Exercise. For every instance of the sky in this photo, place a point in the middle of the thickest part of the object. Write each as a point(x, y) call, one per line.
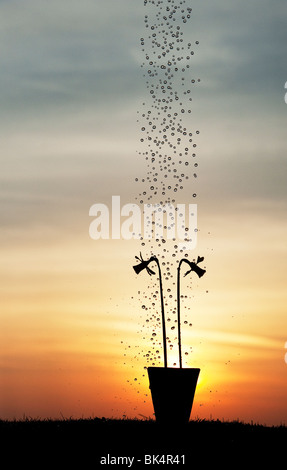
point(75, 340)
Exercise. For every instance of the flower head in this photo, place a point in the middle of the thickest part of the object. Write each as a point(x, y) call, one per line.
point(194, 267)
point(144, 265)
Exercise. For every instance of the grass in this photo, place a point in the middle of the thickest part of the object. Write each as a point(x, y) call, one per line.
point(84, 441)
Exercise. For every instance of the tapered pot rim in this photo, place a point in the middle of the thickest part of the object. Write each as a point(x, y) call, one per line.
point(172, 391)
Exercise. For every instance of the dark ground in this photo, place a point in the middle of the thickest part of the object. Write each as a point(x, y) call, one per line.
point(82, 443)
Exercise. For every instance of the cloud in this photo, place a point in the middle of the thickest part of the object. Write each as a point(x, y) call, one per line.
point(60, 56)
point(71, 84)
point(242, 49)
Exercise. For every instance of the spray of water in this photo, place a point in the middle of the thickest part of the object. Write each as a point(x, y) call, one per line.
point(168, 144)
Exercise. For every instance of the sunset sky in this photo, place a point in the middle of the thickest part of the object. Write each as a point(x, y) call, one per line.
point(73, 332)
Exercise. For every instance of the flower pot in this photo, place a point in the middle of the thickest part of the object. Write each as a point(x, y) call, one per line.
point(172, 392)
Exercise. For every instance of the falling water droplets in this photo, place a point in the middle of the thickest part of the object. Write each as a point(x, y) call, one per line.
point(168, 138)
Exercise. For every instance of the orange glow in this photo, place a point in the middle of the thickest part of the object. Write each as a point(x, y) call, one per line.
point(78, 327)
point(74, 338)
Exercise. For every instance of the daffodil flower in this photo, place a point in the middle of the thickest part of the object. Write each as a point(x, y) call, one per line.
point(144, 265)
point(200, 272)
point(194, 266)
point(140, 267)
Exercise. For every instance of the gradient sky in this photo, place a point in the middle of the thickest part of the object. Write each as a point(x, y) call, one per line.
point(73, 334)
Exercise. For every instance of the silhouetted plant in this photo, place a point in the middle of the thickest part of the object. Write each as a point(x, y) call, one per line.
point(140, 267)
point(193, 267)
point(199, 271)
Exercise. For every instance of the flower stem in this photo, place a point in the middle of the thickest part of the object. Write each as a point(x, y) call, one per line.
point(162, 313)
point(178, 314)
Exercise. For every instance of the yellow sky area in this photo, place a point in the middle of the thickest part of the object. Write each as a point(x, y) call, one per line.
point(242, 377)
point(74, 336)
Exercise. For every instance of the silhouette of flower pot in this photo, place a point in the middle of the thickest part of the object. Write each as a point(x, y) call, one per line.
point(172, 391)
